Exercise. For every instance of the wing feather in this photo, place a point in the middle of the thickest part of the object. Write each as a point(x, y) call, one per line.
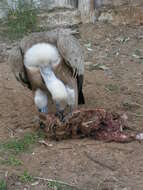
point(72, 52)
point(15, 61)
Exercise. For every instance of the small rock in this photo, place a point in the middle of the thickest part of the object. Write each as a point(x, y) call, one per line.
point(35, 183)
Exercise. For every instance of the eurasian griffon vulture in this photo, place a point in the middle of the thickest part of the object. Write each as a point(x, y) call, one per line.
point(52, 65)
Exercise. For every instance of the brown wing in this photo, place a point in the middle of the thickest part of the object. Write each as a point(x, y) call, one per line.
point(17, 54)
point(63, 72)
point(15, 61)
point(34, 38)
point(72, 52)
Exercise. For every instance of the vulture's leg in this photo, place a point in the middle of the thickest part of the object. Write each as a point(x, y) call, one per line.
point(41, 101)
point(71, 99)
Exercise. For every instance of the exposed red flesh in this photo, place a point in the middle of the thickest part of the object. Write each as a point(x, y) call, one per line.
point(96, 123)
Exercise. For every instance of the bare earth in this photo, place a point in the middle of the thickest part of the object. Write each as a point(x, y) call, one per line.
point(116, 85)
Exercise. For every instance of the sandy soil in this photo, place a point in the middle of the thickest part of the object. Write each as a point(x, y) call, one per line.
point(116, 85)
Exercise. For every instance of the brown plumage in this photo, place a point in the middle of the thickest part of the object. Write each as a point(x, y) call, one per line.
point(69, 71)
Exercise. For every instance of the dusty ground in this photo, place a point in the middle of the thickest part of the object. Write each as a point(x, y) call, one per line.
point(116, 85)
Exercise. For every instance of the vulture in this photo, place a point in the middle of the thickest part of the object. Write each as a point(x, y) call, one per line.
point(51, 64)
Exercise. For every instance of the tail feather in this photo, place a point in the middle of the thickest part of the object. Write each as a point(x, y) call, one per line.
point(81, 99)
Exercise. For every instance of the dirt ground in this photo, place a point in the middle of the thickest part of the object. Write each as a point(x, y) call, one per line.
point(113, 80)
